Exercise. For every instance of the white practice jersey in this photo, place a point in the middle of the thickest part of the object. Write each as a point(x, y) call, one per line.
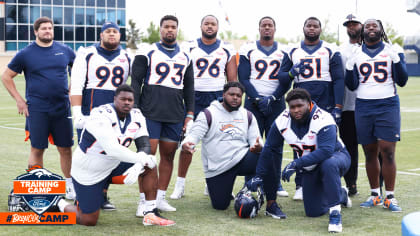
point(209, 63)
point(308, 143)
point(375, 73)
point(91, 70)
point(264, 66)
point(349, 99)
point(165, 68)
point(317, 58)
point(91, 163)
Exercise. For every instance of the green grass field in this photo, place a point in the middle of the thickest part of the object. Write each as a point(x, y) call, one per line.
point(195, 216)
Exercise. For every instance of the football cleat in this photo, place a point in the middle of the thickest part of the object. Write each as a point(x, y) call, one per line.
point(391, 203)
point(275, 211)
point(372, 201)
point(141, 208)
point(70, 193)
point(298, 194)
point(335, 225)
point(163, 205)
point(154, 218)
point(348, 202)
point(178, 193)
point(281, 192)
point(107, 205)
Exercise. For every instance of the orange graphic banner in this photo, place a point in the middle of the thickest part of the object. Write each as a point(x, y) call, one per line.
point(31, 218)
point(39, 187)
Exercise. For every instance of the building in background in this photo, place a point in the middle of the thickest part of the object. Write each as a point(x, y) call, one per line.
point(76, 22)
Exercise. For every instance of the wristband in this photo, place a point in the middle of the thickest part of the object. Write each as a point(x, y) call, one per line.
point(189, 116)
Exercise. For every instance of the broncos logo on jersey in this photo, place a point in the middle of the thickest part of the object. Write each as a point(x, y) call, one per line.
point(232, 130)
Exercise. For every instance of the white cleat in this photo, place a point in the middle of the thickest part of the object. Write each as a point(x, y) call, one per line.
point(298, 194)
point(163, 205)
point(70, 193)
point(282, 193)
point(177, 194)
point(141, 209)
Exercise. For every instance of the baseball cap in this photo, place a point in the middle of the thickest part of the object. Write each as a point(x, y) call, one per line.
point(352, 18)
point(109, 24)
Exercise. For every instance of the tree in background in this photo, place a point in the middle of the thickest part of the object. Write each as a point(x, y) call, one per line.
point(228, 35)
point(393, 34)
point(152, 34)
point(134, 35)
point(327, 35)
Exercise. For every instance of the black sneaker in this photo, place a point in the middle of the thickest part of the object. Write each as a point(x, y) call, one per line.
point(275, 211)
point(353, 190)
point(107, 205)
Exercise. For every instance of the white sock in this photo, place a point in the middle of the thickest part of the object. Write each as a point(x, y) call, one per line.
point(389, 193)
point(150, 205)
point(62, 204)
point(335, 208)
point(142, 197)
point(69, 181)
point(161, 194)
point(180, 182)
point(376, 190)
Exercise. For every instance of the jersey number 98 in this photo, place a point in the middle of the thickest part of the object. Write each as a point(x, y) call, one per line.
point(103, 74)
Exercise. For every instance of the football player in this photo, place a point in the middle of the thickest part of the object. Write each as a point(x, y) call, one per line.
point(316, 66)
point(213, 62)
point(372, 71)
point(45, 63)
point(98, 70)
point(163, 80)
point(347, 126)
point(322, 158)
point(103, 157)
point(258, 66)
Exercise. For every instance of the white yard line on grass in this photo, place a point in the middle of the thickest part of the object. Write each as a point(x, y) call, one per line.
point(5, 127)
point(417, 169)
point(409, 130)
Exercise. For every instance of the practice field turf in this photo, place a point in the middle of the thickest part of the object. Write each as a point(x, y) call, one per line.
point(195, 216)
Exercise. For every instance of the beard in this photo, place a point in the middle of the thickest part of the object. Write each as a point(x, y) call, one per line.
point(209, 36)
point(232, 108)
point(354, 35)
point(267, 37)
point(312, 38)
point(304, 118)
point(372, 39)
point(46, 40)
point(169, 40)
point(111, 46)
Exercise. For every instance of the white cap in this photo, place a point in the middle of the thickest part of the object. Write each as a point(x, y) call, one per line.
point(352, 18)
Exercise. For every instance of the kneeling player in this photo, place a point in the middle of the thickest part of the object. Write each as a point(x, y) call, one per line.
point(103, 157)
point(322, 157)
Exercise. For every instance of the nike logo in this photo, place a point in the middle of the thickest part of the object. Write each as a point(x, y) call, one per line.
point(326, 129)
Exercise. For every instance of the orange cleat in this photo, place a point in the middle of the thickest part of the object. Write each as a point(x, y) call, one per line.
point(154, 218)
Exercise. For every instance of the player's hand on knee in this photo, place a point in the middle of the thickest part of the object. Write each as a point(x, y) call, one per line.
point(147, 160)
point(288, 171)
point(132, 174)
point(254, 183)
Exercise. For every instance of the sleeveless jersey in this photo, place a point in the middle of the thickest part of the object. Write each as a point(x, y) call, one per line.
point(209, 63)
point(375, 73)
point(264, 66)
point(165, 68)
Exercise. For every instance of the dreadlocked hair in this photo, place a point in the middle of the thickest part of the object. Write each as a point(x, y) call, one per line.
point(384, 37)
